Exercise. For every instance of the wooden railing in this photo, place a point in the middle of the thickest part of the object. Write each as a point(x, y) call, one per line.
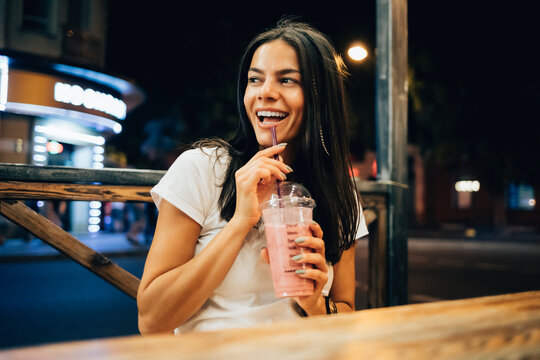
point(28, 182)
point(387, 244)
point(24, 182)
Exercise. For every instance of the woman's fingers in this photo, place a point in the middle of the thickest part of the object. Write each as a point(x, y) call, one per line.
point(313, 254)
point(315, 243)
point(320, 277)
point(269, 152)
point(263, 168)
point(265, 257)
point(314, 259)
point(254, 182)
point(316, 230)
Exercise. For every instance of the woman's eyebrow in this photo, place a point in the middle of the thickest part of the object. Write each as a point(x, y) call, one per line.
point(279, 72)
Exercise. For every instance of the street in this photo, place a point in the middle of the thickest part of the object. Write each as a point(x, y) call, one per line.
point(447, 269)
point(53, 300)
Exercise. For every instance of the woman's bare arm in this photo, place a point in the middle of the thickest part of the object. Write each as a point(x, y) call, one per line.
point(175, 284)
point(343, 286)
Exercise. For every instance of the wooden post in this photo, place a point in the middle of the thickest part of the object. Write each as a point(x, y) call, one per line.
point(391, 127)
point(64, 242)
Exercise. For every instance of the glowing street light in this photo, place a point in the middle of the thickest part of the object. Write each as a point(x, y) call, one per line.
point(357, 53)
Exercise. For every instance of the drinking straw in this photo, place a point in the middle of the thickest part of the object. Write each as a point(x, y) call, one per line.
point(274, 140)
point(276, 157)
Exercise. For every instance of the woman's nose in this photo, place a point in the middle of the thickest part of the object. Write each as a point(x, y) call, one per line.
point(269, 91)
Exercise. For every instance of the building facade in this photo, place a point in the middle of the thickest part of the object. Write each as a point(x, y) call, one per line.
point(57, 106)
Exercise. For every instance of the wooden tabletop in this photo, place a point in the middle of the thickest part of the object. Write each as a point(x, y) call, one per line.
point(495, 327)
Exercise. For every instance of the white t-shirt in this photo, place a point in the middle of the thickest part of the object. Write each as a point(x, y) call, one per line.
point(245, 297)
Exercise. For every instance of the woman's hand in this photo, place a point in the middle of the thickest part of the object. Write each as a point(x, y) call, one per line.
point(313, 254)
point(255, 181)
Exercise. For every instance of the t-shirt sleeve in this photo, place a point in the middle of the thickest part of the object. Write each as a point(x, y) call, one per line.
point(362, 229)
point(187, 185)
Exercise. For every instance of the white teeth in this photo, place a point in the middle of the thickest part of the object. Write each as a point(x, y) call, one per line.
point(271, 114)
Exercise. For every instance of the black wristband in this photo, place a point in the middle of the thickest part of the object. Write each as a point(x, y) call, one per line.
point(330, 305)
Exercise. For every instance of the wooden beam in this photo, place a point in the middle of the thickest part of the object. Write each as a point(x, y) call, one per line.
point(64, 242)
point(77, 192)
point(113, 176)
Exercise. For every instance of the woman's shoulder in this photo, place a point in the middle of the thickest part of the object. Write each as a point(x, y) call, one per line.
point(208, 155)
point(205, 149)
point(202, 159)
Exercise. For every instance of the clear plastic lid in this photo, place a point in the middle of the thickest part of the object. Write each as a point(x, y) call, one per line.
point(289, 194)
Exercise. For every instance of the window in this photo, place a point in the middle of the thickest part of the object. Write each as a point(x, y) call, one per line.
point(520, 197)
point(37, 16)
point(464, 190)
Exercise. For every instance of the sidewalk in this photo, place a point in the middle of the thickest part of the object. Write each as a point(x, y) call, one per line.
point(108, 244)
point(508, 234)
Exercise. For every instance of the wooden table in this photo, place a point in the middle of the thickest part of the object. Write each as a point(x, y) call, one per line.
point(496, 327)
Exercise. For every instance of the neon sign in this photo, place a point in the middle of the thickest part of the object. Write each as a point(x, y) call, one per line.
point(467, 186)
point(90, 99)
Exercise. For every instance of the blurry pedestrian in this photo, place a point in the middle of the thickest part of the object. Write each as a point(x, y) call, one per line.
point(136, 221)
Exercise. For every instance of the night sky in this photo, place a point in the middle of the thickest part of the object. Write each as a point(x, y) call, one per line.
point(186, 58)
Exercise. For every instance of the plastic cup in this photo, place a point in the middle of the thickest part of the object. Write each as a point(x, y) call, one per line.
point(287, 217)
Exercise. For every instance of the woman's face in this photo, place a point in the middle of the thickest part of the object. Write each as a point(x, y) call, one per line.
point(274, 94)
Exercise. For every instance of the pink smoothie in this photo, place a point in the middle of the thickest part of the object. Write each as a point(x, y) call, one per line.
point(281, 248)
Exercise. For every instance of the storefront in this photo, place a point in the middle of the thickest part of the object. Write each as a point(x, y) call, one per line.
point(56, 114)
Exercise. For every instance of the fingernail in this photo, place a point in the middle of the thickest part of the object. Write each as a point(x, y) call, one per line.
point(301, 271)
point(314, 222)
point(288, 168)
point(284, 176)
point(300, 240)
point(282, 144)
point(297, 257)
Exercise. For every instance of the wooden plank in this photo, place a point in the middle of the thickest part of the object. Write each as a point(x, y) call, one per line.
point(495, 327)
point(374, 199)
point(370, 216)
point(112, 176)
point(378, 255)
point(82, 192)
point(70, 246)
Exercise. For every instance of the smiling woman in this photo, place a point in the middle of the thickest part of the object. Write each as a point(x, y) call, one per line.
point(207, 267)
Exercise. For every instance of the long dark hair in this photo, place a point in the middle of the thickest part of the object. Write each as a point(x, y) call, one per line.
point(322, 163)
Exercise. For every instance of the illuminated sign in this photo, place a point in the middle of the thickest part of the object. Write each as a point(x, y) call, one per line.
point(4, 61)
point(38, 94)
point(90, 99)
point(69, 135)
point(467, 186)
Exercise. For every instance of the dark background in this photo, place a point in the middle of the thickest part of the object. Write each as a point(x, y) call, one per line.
point(473, 71)
point(473, 77)
point(186, 60)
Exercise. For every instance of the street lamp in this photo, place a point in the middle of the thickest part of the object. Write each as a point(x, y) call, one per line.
point(357, 52)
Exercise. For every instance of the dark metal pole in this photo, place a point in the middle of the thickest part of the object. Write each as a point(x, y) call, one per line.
point(391, 132)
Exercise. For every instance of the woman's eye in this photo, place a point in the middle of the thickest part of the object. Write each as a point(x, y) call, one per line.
point(288, 81)
point(253, 80)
